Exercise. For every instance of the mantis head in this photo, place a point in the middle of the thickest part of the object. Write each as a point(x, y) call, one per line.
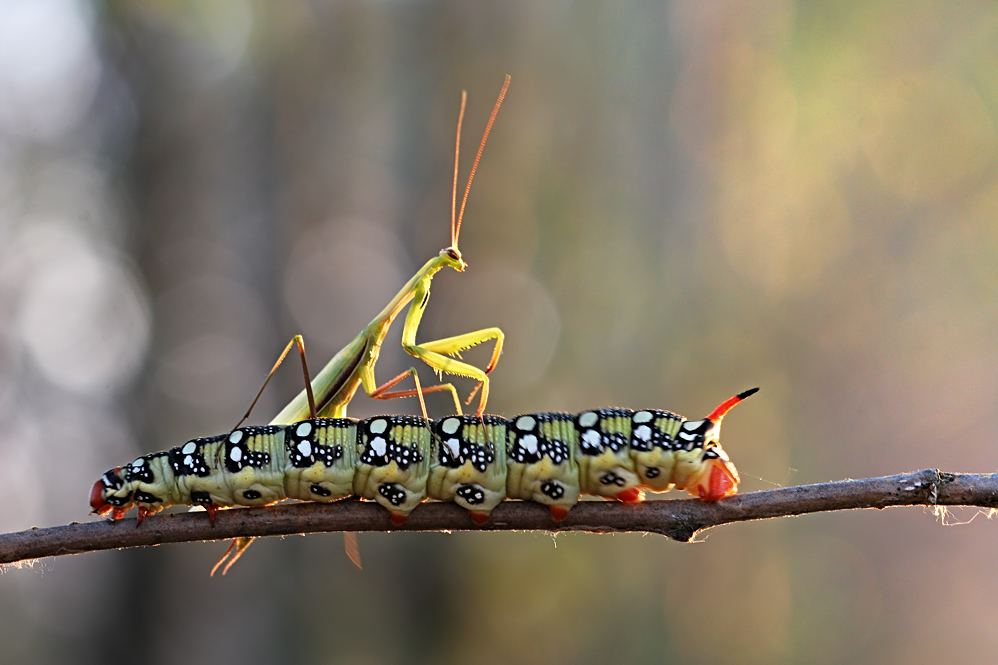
point(451, 256)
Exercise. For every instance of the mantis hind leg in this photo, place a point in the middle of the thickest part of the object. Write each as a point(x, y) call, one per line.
point(239, 545)
point(300, 341)
point(236, 549)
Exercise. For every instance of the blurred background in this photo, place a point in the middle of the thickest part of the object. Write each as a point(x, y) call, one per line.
point(678, 201)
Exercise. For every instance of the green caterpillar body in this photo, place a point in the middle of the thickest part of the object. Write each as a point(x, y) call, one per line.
point(399, 461)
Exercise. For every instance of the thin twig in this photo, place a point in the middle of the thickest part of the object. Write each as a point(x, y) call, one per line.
point(678, 519)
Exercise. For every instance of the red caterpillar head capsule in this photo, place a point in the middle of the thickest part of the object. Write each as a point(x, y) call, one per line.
point(108, 495)
point(717, 476)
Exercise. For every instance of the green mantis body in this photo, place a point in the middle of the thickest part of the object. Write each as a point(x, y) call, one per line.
point(353, 366)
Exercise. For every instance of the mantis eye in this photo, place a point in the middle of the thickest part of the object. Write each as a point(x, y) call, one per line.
point(451, 252)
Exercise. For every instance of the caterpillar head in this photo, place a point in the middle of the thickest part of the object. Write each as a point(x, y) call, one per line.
point(111, 494)
point(717, 476)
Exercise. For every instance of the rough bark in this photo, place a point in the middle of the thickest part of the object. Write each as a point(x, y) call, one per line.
point(678, 519)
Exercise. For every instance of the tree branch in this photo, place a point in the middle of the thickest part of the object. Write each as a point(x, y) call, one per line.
point(678, 519)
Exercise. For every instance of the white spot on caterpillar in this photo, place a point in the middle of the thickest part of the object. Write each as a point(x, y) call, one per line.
point(304, 429)
point(529, 442)
point(588, 419)
point(379, 426)
point(643, 417)
point(138, 464)
point(455, 446)
point(378, 444)
point(643, 432)
point(592, 437)
point(687, 436)
point(236, 436)
point(692, 424)
point(236, 454)
point(305, 448)
point(188, 461)
point(527, 424)
point(189, 448)
point(450, 425)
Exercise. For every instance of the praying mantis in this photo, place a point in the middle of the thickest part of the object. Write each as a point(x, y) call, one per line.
point(331, 391)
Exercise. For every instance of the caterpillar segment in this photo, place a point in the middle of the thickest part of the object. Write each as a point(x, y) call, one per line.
point(542, 464)
point(322, 457)
point(399, 461)
point(469, 468)
point(394, 463)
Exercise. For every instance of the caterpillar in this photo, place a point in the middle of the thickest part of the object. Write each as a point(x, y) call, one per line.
point(400, 460)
